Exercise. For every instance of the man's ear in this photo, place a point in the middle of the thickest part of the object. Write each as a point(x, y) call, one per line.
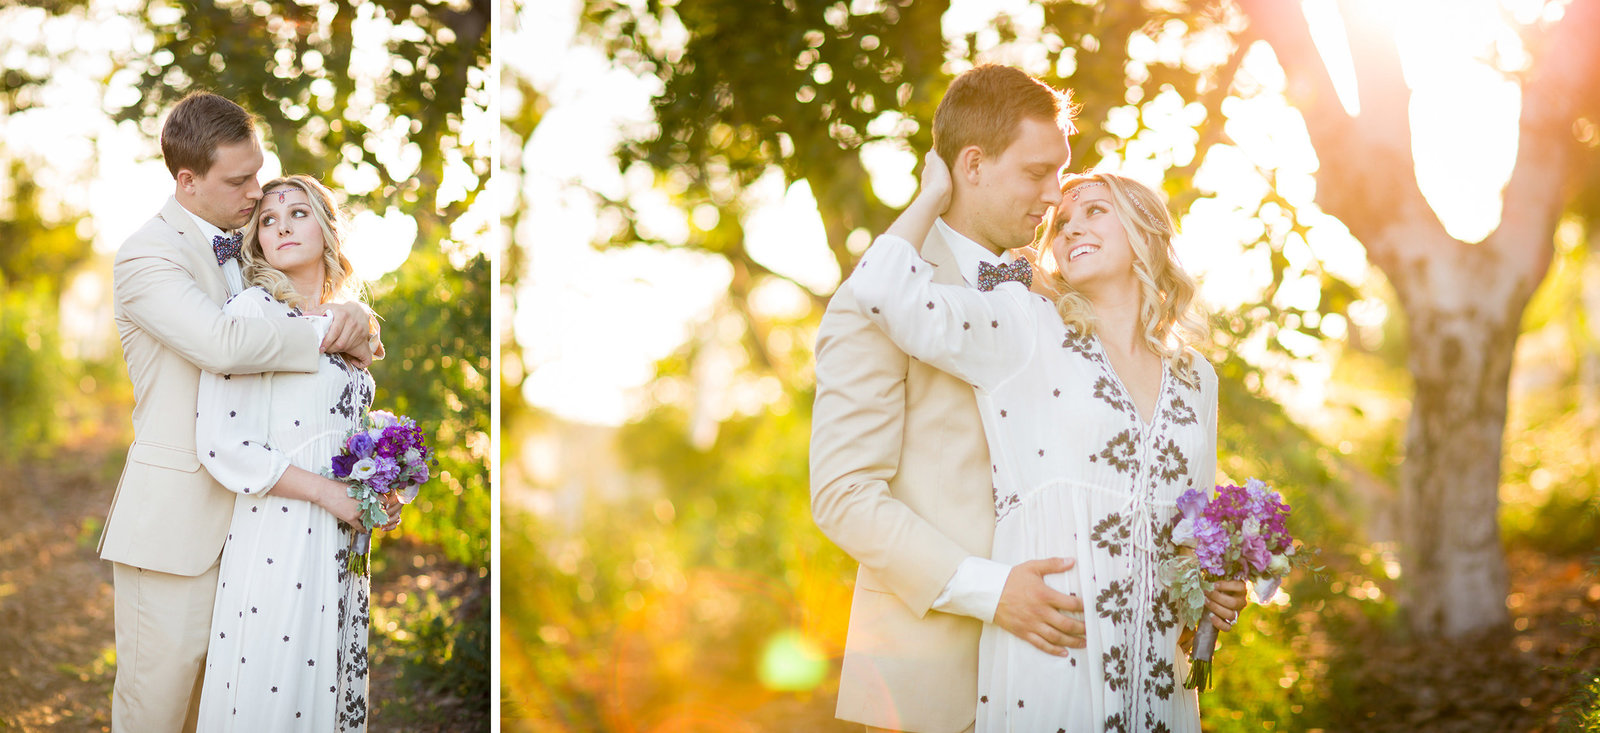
point(186, 180)
point(968, 160)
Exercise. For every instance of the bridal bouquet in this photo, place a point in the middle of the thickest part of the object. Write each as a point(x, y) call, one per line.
point(1229, 533)
point(385, 456)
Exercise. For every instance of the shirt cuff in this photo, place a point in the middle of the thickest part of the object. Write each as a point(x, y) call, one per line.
point(321, 324)
point(975, 589)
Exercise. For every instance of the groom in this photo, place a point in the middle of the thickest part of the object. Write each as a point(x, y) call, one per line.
point(169, 519)
point(900, 472)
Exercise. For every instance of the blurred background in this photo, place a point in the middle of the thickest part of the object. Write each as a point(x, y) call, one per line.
point(1392, 208)
point(386, 102)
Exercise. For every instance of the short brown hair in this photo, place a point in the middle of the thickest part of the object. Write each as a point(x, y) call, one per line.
point(985, 105)
point(197, 125)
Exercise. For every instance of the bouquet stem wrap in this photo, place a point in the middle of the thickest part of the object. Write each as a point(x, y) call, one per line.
point(360, 549)
point(1205, 645)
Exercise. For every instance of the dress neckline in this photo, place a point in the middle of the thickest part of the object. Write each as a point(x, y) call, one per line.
point(1161, 388)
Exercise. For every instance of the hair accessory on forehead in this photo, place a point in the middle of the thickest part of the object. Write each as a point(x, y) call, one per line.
point(282, 191)
point(1073, 192)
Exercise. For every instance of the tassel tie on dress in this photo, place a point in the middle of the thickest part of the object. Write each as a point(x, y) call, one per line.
point(1143, 560)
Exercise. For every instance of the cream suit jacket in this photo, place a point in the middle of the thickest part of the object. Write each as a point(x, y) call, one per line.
point(167, 514)
point(901, 481)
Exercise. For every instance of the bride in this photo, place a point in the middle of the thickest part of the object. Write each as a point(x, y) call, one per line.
point(1098, 415)
point(288, 647)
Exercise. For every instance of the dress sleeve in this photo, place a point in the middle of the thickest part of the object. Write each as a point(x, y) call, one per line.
point(231, 425)
point(981, 338)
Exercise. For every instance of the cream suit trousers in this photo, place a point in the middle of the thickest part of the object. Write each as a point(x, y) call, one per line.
point(163, 622)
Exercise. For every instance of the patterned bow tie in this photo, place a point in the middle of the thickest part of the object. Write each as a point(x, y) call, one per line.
point(226, 247)
point(1018, 270)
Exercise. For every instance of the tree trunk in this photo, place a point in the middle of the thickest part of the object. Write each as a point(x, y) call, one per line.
point(1463, 302)
point(1460, 355)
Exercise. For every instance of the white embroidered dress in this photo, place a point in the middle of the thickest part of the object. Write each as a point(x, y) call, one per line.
point(1077, 474)
point(288, 648)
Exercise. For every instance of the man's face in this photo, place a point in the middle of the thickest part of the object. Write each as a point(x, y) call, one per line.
point(1017, 188)
point(227, 194)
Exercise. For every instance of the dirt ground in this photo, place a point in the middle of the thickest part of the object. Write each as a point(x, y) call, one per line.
point(57, 660)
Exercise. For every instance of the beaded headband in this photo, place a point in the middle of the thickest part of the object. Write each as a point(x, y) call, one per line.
point(283, 190)
point(1073, 192)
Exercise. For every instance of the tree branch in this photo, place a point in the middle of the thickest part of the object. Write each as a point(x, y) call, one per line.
point(1559, 89)
point(1372, 203)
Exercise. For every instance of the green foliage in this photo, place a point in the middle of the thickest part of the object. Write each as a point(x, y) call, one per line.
point(32, 376)
point(33, 247)
point(440, 647)
point(1584, 710)
point(297, 67)
point(436, 333)
point(1551, 467)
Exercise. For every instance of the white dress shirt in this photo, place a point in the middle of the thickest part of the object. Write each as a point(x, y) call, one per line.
point(230, 269)
point(975, 588)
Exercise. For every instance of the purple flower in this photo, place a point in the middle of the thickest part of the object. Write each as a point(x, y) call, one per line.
point(1254, 548)
point(360, 444)
point(1192, 503)
point(388, 470)
point(342, 464)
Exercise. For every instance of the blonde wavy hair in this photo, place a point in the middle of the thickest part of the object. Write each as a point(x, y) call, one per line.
point(1166, 292)
point(338, 275)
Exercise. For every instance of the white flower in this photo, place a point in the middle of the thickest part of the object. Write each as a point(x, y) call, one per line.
point(363, 469)
point(1183, 534)
point(382, 418)
point(412, 456)
point(1279, 565)
point(1252, 526)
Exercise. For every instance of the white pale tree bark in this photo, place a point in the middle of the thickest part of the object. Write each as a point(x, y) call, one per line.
point(1463, 301)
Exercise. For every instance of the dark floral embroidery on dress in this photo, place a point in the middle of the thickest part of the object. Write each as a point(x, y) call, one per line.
point(357, 394)
point(1160, 680)
point(1105, 390)
point(1115, 662)
point(1112, 603)
point(1170, 463)
point(1115, 722)
point(1187, 374)
point(1165, 615)
point(1081, 343)
point(354, 714)
point(1178, 412)
point(1111, 534)
point(1004, 504)
point(1121, 453)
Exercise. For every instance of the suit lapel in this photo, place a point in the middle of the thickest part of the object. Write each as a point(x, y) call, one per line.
point(201, 259)
point(937, 253)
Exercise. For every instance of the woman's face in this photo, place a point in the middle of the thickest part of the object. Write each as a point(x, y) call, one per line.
point(1090, 246)
point(291, 238)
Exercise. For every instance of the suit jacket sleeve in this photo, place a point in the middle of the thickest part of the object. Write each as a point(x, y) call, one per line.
point(163, 299)
point(856, 428)
point(231, 423)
